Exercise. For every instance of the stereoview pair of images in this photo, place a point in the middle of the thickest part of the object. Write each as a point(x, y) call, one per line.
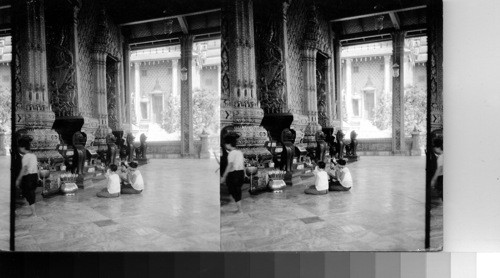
point(221, 125)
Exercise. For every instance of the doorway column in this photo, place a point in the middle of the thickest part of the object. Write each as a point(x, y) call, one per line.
point(398, 127)
point(34, 116)
point(240, 106)
point(187, 144)
point(348, 87)
point(175, 77)
point(137, 92)
point(387, 74)
point(99, 56)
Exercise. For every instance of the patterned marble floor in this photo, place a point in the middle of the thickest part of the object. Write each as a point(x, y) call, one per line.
point(178, 211)
point(5, 202)
point(384, 211)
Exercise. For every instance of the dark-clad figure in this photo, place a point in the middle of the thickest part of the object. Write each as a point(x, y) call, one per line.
point(111, 154)
point(123, 150)
point(287, 139)
point(130, 147)
point(321, 146)
point(143, 148)
point(80, 153)
point(351, 149)
point(340, 144)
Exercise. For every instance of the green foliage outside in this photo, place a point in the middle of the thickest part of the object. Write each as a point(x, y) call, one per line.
point(5, 108)
point(206, 110)
point(415, 110)
point(171, 115)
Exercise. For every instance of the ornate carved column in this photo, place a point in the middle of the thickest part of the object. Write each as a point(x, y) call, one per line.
point(127, 91)
point(435, 67)
point(187, 146)
point(309, 52)
point(434, 98)
point(34, 116)
point(286, 76)
point(241, 106)
point(339, 95)
point(398, 128)
point(99, 56)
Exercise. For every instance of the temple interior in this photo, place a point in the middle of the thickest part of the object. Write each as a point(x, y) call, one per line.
point(97, 83)
point(102, 83)
point(350, 80)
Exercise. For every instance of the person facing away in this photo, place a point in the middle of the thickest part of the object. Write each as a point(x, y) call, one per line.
point(234, 175)
point(27, 179)
point(437, 179)
point(320, 186)
point(112, 189)
point(341, 177)
point(134, 183)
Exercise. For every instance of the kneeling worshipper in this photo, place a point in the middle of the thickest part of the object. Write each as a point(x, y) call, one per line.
point(134, 183)
point(341, 177)
point(320, 186)
point(112, 189)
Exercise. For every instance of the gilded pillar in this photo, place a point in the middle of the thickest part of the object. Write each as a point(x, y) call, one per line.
point(34, 116)
point(286, 75)
point(339, 94)
point(240, 104)
point(99, 56)
point(398, 128)
point(127, 99)
point(309, 52)
point(187, 144)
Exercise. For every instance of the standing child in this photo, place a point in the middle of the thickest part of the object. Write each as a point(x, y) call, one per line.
point(28, 178)
point(320, 186)
point(112, 190)
point(341, 177)
point(134, 184)
point(234, 175)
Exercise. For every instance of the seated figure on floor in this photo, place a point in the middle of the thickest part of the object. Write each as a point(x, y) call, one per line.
point(320, 186)
point(112, 189)
point(341, 177)
point(133, 183)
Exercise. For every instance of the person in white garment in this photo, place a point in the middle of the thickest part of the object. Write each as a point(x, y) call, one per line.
point(320, 186)
point(341, 177)
point(134, 183)
point(112, 189)
point(28, 178)
point(234, 174)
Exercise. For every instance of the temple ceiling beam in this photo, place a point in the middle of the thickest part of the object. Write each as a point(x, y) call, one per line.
point(378, 13)
point(183, 23)
point(169, 17)
point(174, 36)
point(395, 20)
